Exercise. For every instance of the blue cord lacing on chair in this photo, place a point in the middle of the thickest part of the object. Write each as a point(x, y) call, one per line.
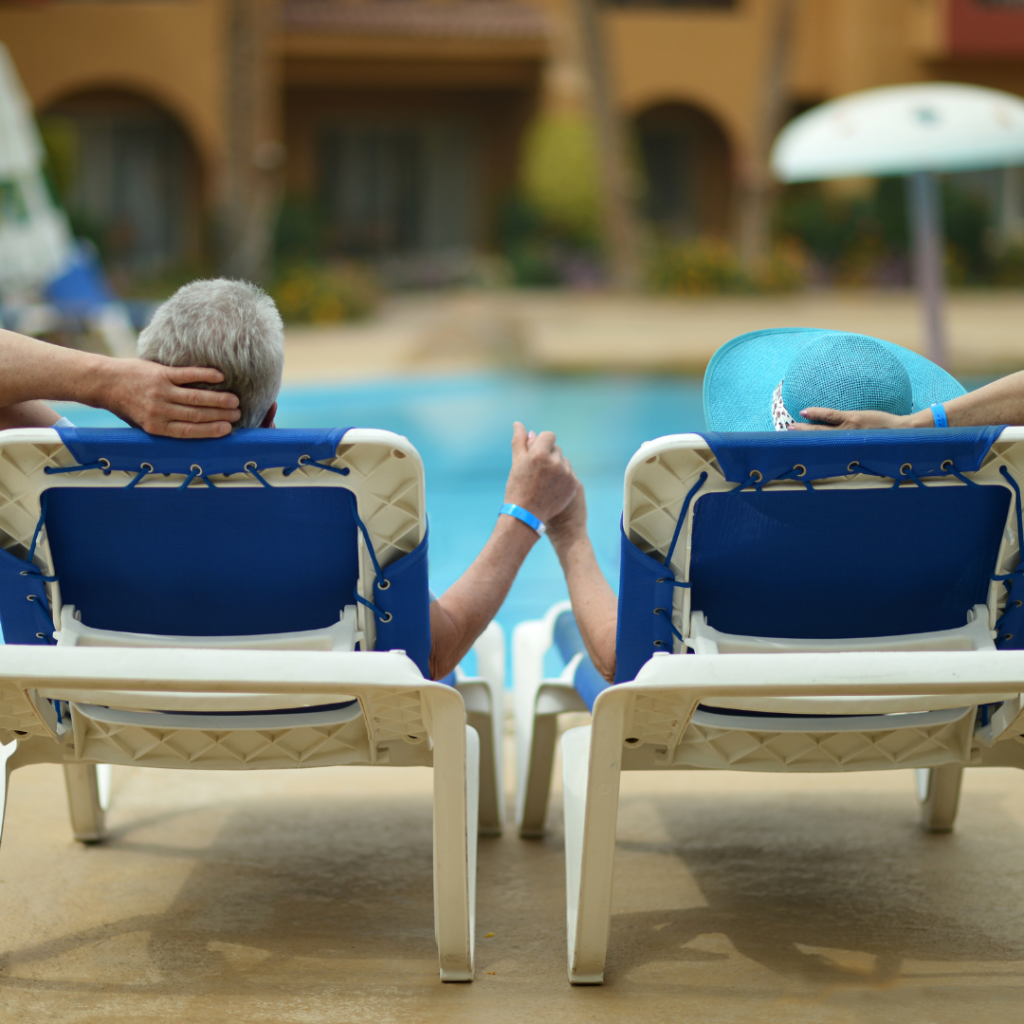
point(103, 464)
point(754, 479)
point(31, 569)
point(344, 471)
point(1008, 579)
point(671, 551)
point(304, 462)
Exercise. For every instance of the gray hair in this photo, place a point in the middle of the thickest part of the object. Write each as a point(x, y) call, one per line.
point(232, 326)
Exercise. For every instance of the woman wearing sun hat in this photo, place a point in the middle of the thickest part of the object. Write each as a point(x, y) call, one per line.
point(808, 379)
point(791, 379)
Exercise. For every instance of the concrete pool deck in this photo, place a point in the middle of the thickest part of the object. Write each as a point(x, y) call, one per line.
point(305, 897)
point(566, 332)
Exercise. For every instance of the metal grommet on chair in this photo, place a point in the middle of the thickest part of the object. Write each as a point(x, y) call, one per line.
point(146, 466)
point(24, 572)
point(42, 636)
point(946, 463)
point(1013, 604)
point(383, 584)
point(1005, 636)
point(249, 467)
point(386, 617)
point(852, 467)
point(755, 475)
point(802, 468)
point(659, 643)
point(303, 459)
point(906, 466)
point(195, 469)
point(105, 463)
point(659, 611)
point(30, 597)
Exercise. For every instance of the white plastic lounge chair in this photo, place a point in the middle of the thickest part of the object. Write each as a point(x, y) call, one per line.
point(289, 570)
point(853, 603)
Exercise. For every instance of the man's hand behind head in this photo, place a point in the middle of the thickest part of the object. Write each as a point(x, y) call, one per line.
point(158, 399)
point(541, 480)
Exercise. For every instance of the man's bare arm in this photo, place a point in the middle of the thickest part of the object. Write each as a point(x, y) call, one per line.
point(145, 394)
point(1000, 402)
point(593, 600)
point(542, 482)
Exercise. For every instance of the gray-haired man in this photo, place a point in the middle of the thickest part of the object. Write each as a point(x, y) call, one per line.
point(234, 327)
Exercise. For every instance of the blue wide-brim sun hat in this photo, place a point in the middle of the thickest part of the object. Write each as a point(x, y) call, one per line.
point(832, 369)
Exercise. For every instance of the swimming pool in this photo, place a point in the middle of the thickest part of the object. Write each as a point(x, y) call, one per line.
point(462, 426)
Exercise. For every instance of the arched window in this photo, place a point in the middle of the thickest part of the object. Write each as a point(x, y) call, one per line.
point(687, 169)
point(128, 176)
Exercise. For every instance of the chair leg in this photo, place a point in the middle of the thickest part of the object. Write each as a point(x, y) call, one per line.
point(490, 659)
point(536, 750)
point(591, 795)
point(535, 738)
point(490, 809)
point(5, 778)
point(938, 795)
point(456, 800)
point(88, 791)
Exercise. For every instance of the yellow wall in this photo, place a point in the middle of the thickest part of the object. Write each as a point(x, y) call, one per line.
point(712, 59)
point(168, 50)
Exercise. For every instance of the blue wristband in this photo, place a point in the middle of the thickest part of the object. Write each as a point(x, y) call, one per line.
point(524, 517)
point(939, 415)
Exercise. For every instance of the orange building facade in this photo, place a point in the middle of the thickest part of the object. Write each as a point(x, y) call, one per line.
point(178, 126)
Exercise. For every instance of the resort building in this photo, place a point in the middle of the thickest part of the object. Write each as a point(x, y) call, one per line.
point(390, 127)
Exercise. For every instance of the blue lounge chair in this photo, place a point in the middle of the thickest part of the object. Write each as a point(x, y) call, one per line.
point(282, 574)
point(852, 602)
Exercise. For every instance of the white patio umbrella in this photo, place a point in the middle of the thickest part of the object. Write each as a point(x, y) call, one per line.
point(918, 131)
point(35, 238)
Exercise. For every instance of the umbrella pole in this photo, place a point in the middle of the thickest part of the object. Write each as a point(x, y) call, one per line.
point(929, 272)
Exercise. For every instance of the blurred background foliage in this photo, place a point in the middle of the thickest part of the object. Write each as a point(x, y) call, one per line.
point(325, 293)
point(548, 234)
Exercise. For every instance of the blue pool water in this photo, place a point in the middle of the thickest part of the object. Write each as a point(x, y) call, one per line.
point(462, 426)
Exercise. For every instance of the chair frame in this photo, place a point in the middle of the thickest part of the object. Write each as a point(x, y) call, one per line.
point(110, 682)
point(655, 723)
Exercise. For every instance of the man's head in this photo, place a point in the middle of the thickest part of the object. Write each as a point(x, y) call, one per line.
point(232, 326)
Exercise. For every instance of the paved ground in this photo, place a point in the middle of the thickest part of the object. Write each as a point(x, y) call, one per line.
point(305, 897)
point(565, 332)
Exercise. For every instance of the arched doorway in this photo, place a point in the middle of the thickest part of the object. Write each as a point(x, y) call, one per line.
point(687, 169)
point(128, 176)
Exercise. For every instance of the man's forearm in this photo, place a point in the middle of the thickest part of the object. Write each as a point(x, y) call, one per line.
point(464, 610)
point(32, 369)
point(593, 600)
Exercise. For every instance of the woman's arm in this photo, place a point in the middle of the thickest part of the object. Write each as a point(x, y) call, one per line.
point(145, 394)
point(1001, 402)
point(593, 600)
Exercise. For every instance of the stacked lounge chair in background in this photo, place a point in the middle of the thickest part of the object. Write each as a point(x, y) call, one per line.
point(259, 601)
point(854, 601)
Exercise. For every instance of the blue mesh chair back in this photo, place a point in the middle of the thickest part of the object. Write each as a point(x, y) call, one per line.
point(816, 563)
point(202, 560)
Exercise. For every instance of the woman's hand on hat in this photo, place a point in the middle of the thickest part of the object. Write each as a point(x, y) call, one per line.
point(863, 419)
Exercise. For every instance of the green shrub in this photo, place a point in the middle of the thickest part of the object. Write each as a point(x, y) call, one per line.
point(560, 177)
point(325, 294)
point(708, 266)
point(1009, 266)
point(865, 239)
